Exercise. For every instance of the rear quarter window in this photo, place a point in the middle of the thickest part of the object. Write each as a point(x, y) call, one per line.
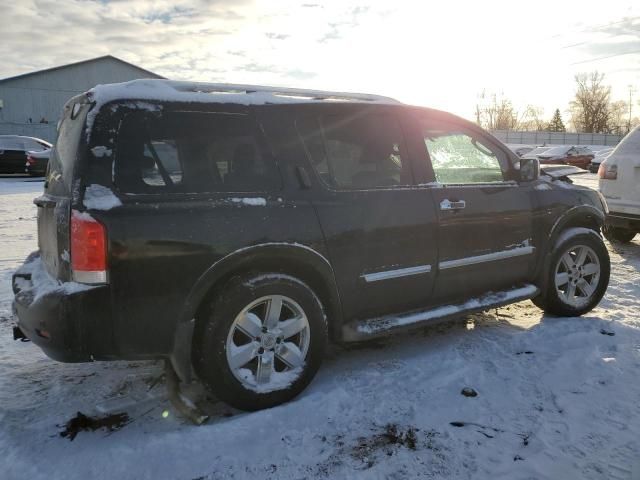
point(191, 152)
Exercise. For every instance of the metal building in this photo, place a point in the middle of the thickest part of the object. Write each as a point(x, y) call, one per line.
point(31, 103)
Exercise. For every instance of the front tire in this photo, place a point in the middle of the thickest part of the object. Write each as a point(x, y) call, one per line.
point(578, 276)
point(262, 342)
point(617, 234)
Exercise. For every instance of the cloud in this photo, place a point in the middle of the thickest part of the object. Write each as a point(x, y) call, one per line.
point(440, 54)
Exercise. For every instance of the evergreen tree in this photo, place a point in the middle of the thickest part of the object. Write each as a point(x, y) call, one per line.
point(556, 124)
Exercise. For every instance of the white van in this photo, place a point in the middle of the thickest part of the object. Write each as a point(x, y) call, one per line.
point(620, 184)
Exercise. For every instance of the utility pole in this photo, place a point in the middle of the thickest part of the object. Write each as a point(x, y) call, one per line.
point(631, 90)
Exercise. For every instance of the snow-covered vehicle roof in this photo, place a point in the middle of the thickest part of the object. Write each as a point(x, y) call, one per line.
point(178, 91)
point(535, 152)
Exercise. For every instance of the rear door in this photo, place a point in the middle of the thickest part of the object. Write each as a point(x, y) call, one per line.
point(379, 229)
point(484, 217)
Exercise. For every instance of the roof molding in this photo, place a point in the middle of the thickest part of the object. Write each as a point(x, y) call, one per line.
point(111, 57)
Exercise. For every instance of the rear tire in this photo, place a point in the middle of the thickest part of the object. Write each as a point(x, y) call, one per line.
point(578, 276)
point(618, 234)
point(262, 341)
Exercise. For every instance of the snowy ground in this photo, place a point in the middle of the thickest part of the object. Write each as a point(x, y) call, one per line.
point(557, 399)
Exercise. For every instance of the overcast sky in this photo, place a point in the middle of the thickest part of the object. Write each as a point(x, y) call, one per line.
point(439, 54)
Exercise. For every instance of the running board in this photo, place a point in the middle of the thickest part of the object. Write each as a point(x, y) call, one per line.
point(365, 329)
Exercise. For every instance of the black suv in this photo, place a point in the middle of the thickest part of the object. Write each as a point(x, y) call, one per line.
point(235, 230)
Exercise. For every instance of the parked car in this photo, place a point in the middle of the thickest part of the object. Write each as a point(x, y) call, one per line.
point(577, 156)
point(533, 154)
point(13, 151)
point(235, 230)
point(619, 183)
point(36, 164)
point(598, 158)
point(521, 150)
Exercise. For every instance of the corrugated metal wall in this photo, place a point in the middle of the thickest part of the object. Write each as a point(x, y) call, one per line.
point(556, 138)
point(28, 100)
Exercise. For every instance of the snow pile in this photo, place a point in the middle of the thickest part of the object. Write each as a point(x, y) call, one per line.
point(41, 283)
point(101, 151)
point(97, 197)
point(256, 202)
point(278, 380)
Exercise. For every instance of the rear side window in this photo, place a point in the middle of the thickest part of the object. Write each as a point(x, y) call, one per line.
point(352, 153)
point(192, 152)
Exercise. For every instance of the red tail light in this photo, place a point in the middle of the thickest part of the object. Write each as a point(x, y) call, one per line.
point(30, 160)
point(88, 249)
point(608, 172)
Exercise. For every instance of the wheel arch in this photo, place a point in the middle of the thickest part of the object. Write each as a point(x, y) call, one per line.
point(585, 216)
point(294, 259)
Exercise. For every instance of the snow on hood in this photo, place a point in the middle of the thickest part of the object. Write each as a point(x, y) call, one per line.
point(559, 171)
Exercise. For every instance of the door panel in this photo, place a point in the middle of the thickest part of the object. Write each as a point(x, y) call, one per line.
point(484, 216)
point(381, 245)
point(487, 244)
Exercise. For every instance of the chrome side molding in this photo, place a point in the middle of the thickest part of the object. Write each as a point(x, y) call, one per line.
point(401, 272)
point(489, 257)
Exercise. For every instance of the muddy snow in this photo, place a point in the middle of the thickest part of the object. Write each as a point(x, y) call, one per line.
point(555, 398)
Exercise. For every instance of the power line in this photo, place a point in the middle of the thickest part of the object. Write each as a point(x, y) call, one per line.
point(605, 57)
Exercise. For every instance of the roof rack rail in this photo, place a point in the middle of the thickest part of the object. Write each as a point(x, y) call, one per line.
point(277, 91)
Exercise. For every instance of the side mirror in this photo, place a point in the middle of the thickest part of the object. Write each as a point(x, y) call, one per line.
point(529, 169)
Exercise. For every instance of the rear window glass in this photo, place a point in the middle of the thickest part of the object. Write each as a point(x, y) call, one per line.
point(192, 152)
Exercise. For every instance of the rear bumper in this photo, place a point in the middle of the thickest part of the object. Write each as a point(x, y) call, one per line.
point(70, 322)
point(624, 220)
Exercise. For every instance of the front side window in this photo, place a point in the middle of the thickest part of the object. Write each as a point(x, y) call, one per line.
point(353, 153)
point(187, 152)
point(459, 158)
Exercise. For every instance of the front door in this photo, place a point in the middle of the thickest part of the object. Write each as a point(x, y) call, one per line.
point(379, 230)
point(484, 214)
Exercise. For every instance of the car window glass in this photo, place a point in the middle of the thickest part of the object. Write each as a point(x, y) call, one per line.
point(459, 158)
point(192, 152)
point(362, 152)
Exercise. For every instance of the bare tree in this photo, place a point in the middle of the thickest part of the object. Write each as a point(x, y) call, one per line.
point(531, 120)
point(591, 110)
point(495, 112)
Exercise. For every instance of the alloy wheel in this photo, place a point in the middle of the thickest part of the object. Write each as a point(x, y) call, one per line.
point(268, 343)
